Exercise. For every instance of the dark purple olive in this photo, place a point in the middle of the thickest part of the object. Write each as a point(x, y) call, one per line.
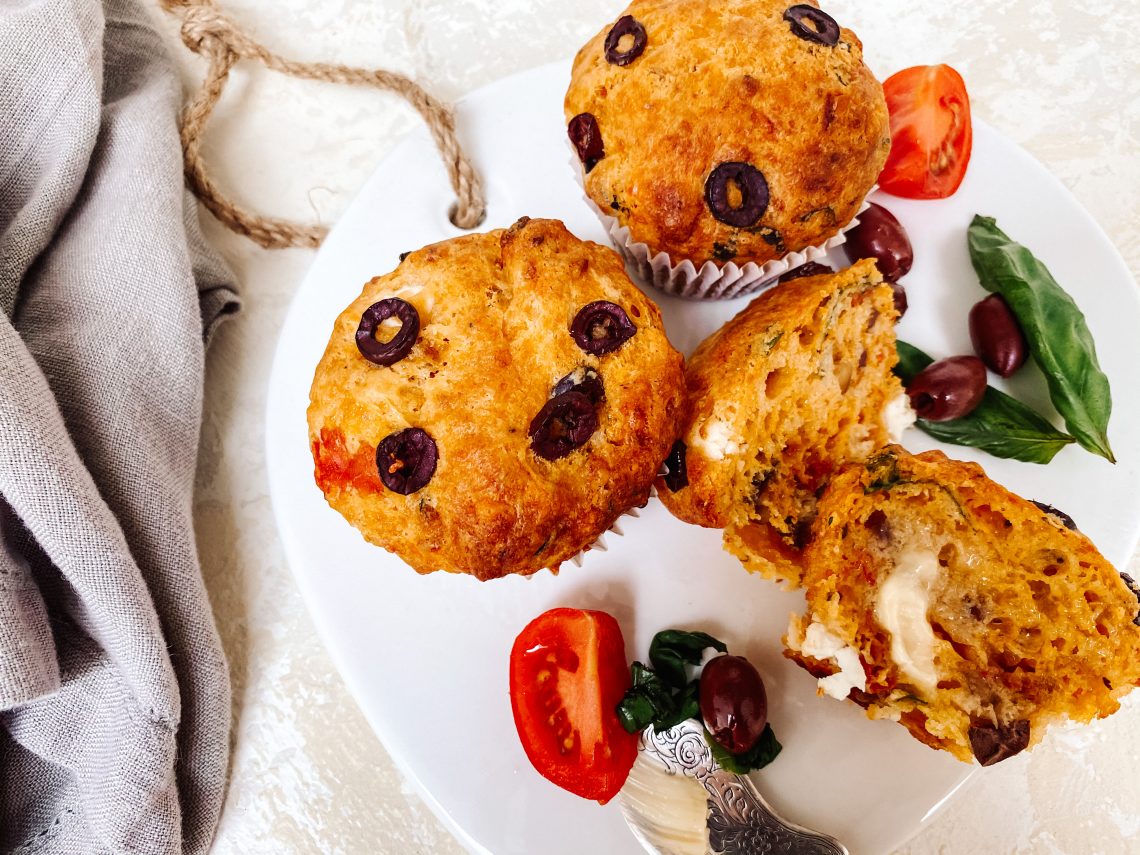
point(996, 336)
point(878, 524)
point(564, 424)
point(752, 187)
point(676, 469)
point(397, 347)
point(1066, 520)
point(900, 298)
point(993, 743)
point(601, 327)
point(586, 139)
point(948, 389)
point(733, 703)
point(813, 25)
point(584, 380)
point(626, 26)
point(881, 237)
point(804, 270)
point(406, 460)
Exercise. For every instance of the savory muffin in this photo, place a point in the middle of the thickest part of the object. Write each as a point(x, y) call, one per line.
point(790, 389)
point(973, 617)
point(495, 403)
point(739, 131)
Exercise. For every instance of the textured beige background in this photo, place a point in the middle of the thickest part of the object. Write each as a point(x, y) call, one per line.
point(1062, 79)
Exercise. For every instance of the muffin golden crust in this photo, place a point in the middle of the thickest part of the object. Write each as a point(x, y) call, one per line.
point(975, 618)
point(718, 93)
point(790, 389)
point(495, 316)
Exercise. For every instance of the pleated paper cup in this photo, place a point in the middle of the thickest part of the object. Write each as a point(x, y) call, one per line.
point(711, 281)
point(600, 545)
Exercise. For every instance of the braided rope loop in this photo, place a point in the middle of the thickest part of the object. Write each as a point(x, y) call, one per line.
point(208, 32)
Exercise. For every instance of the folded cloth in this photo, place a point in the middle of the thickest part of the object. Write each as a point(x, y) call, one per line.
point(114, 692)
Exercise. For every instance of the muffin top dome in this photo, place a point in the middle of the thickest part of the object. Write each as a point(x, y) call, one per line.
point(495, 403)
point(740, 130)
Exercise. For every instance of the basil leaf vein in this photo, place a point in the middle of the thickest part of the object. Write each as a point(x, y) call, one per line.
point(1055, 329)
point(1001, 425)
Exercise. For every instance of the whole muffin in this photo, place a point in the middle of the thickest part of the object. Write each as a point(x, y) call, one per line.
point(973, 617)
point(792, 388)
point(495, 403)
point(740, 130)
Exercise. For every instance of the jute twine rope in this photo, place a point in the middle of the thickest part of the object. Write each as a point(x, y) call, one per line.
point(212, 35)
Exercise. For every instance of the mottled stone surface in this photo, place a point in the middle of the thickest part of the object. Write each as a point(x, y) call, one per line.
point(1062, 79)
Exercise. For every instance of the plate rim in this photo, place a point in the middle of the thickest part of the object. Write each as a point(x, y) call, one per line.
point(292, 548)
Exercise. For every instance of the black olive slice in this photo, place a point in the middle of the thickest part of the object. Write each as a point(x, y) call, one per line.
point(586, 139)
point(813, 25)
point(564, 424)
point(584, 380)
point(627, 25)
point(601, 327)
point(1065, 519)
point(392, 351)
point(811, 268)
point(753, 189)
point(406, 460)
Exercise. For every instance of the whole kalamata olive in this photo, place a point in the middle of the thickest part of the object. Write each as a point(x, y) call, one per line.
point(733, 703)
point(881, 237)
point(948, 389)
point(997, 338)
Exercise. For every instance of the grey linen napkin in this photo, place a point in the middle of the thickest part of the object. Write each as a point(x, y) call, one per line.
point(114, 693)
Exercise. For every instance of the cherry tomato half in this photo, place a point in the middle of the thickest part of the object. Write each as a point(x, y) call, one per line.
point(568, 674)
point(931, 133)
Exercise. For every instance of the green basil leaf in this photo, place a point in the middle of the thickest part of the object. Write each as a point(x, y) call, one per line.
point(760, 755)
point(688, 706)
point(911, 361)
point(645, 702)
point(1001, 425)
point(672, 649)
point(1055, 329)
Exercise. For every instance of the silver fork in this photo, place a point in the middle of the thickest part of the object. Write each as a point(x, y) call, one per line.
point(740, 821)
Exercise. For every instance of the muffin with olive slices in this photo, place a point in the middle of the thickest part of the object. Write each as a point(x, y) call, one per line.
point(493, 404)
point(726, 141)
point(792, 388)
point(974, 618)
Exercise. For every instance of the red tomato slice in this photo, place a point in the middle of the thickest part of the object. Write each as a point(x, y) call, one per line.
point(931, 134)
point(568, 674)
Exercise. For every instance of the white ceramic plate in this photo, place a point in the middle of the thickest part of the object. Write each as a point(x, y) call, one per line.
point(426, 657)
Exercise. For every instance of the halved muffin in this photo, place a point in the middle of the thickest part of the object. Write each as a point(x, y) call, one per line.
point(973, 617)
point(790, 389)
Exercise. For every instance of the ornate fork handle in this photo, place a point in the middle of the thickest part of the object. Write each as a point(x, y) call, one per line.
point(740, 821)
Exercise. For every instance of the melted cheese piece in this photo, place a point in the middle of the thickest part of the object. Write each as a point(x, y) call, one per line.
point(901, 607)
point(716, 440)
point(821, 644)
point(898, 415)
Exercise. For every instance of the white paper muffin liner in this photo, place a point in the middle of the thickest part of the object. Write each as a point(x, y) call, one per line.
point(600, 544)
point(710, 281)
